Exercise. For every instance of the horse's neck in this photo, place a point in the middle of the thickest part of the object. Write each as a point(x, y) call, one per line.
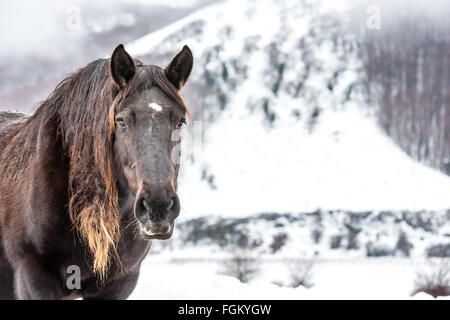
point(36, 140)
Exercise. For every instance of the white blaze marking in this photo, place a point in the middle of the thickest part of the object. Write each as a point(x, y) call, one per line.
point(155, 106)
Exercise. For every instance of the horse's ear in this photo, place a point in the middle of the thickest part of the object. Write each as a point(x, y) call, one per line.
point(121, 66)
point(180, 68)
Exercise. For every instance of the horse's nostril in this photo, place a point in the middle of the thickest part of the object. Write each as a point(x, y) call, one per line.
point(146, 206)
point(170, 204)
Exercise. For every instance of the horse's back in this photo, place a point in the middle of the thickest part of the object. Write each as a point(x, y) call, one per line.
point(8, 119)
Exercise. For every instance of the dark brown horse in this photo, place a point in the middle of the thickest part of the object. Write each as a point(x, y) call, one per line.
point(89, 179)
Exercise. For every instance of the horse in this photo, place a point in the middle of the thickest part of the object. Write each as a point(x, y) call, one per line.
point(90, 179)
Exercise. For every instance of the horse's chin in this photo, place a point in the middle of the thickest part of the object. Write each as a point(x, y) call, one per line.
point(149, 234)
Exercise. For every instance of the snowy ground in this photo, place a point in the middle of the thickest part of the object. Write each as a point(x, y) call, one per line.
point(164, 278)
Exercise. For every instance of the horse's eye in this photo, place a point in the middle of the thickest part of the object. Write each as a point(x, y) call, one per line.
point(181, 123)
point(121, 123)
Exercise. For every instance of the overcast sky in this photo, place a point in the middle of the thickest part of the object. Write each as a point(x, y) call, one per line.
point(46, 25)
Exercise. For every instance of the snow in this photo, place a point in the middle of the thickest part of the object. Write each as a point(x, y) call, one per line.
point(347, 163)
point(345, 279)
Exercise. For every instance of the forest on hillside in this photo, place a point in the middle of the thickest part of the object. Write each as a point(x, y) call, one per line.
point(406, 74)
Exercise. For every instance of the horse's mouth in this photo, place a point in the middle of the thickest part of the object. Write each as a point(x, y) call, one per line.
point(157, 235)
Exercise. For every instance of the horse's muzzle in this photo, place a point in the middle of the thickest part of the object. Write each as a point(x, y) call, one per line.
point(157, 214)
point(160, 232)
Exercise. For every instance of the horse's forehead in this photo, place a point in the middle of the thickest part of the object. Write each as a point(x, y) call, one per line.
point(154, 99)
point(155, 107)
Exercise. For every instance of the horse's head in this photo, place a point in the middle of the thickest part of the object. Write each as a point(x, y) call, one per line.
point(145, 126)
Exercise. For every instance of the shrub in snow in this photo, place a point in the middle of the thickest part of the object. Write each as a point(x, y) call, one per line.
point(313, 118)
point(352, 237)
point(241, 265)
point(439, 251)
point(269, 114)
point(353, 224)
point(374, 250)
point(316, 235)
point(300, 272)
point(279, 240)
point(336, 241)
point(434, 280)
point(317, 229)
point(403, 245)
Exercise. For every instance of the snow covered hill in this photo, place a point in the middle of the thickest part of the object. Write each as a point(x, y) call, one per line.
point(285, 128)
